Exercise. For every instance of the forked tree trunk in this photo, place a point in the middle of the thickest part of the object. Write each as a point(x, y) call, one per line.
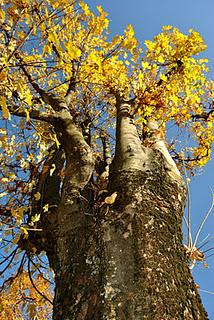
point(124, 260)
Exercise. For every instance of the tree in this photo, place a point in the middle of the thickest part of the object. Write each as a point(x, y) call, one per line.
point(87, 176)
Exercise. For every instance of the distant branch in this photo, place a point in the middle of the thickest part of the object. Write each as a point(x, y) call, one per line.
point(10, 261)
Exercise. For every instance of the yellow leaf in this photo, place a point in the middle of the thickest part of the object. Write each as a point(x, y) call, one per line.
point(27, 115)
point(84, 7)
point(35, 218)
point(24, 231)
point(47, 49)
point(161, 59)
point(149, 44)
point(175, 99)
point(111, 199)
point(53, 168)
point(2, 15)
point(3, 104)
point(45, 208)
point(73, 51)
point(37, 196)
point(3, 194)
point(3, 131)
point(146, 65)
point(163, 77)
point(166, 28)
point(52, 37)
point(28, 98)
point(54, 138)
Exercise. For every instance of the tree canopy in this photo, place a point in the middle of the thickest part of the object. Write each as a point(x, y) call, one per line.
point(62, 51)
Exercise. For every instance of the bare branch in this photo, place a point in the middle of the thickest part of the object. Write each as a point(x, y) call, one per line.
point(204, 220)
point(10, 261)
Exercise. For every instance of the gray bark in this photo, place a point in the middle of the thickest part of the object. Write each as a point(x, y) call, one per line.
point(123, 260)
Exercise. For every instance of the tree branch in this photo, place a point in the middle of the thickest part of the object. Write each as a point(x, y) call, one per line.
point(46, 96)
point(33, 114)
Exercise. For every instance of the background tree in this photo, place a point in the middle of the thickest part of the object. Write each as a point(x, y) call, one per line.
point(87, 176)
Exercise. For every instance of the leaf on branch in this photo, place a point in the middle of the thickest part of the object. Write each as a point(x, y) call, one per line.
point(46, 207)
point(53, 168)
point(111, 199)
point(37, 196)
point(25, 232)
point(35, 218)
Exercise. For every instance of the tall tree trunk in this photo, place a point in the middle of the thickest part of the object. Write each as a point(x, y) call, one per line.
point(123, 260)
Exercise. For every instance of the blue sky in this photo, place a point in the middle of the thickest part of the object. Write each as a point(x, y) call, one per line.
point(148, 17)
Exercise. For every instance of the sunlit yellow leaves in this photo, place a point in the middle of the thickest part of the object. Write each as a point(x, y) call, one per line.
point(130, 42)
point(28, 97)
point(47, 49)
point(37, 196)
point(21, 295)
point(104, 22)
point(25, 232)
point(166, 28)
point(161, 59)
point(85, 8)
point(149, 44)
point(174, 99)
point(35, 218)
point(46, 208)
point(2, 15)
point(163, 77)
point(3, 106)
point(171, 44)
point(146, 65)
point(18, 213)
point(74, 52)
point(52, 37)
point(3, 75)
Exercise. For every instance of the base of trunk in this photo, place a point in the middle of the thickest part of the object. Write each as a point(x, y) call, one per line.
point(126, 260)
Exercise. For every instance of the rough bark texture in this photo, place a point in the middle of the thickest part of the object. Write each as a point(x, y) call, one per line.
point(148, 276)
point(123, 260)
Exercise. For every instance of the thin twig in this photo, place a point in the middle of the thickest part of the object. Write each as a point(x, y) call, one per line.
point(205, 218)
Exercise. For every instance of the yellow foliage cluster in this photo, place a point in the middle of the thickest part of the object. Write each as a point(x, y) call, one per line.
point(167, 81)
point(21, 301)
point(62, 40)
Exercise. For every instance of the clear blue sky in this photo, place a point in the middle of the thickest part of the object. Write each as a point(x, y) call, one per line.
point(147, 17)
